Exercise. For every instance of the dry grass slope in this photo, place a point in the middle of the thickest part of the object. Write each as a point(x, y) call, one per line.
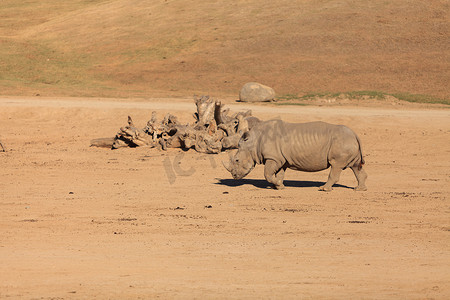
point(138, 48)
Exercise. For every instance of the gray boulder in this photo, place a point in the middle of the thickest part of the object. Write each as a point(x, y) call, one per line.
point(256, 92)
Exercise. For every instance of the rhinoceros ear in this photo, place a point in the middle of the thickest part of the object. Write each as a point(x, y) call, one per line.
point(245, 136)
point(130, 121)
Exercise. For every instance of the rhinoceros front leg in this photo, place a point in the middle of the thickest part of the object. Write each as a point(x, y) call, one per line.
point(361, 176)
point(333, 177)
point(274, 173)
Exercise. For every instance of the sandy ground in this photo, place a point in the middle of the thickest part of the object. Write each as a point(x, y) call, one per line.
point(83, 223)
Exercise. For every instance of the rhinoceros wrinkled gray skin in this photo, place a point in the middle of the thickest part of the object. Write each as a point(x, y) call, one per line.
point(309, 147)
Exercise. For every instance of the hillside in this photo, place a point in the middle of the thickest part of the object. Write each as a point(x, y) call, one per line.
point(179, 47)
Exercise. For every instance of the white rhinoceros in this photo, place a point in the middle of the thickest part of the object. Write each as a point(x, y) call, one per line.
point(309, 147)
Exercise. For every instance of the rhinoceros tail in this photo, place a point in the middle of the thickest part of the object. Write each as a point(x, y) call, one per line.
point(361, 160)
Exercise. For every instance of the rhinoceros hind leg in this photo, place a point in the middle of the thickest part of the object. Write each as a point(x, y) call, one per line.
point(333, 177)
point(361, 176)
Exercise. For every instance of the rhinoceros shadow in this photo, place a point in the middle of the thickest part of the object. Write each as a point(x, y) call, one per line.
point(261, 183)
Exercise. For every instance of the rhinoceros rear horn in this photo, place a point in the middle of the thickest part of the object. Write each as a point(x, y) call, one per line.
point(227, 166)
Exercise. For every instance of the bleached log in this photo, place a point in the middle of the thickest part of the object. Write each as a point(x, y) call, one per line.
point(132, 137)
point(102, 142)
point(205, 110)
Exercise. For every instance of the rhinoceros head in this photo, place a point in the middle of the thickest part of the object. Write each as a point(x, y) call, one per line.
point(242, 162)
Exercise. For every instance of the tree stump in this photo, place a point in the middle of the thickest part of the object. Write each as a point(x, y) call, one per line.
point(132, 137)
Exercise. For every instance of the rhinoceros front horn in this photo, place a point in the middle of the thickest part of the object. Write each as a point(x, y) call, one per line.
point(227, 166)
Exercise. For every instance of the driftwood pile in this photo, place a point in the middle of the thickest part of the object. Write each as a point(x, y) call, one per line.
point(213, 130)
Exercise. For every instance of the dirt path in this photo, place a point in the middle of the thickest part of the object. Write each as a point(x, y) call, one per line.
point(80, 222)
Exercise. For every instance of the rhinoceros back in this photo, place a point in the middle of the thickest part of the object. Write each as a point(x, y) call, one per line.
point(302, 146)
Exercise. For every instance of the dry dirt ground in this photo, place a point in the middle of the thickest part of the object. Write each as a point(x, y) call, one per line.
point(83, 223)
